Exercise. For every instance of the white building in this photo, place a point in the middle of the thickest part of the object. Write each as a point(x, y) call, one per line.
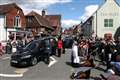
point(105, 20)
point(2, 30)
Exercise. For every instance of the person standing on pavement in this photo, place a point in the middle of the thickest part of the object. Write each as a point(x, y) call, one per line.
point(8, 47)
point(1, 49)
point(59, 46)
point(108, 47)
point(19, 45)
point(53, 46)
point(83, 49)
point(74, 55)
point(117, 46)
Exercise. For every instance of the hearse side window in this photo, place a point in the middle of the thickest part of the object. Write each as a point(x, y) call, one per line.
point(31, 45)
point(47, 43)
point(42, 44)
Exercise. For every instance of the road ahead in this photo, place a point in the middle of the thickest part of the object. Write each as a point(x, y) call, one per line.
point(60, 70)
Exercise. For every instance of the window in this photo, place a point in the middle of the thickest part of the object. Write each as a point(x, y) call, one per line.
point(30, 19)
point(17, 21)
point(108, 22)
point(47, 43)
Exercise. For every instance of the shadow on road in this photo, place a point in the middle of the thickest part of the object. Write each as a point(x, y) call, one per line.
point(69, 64)
point(74, 66)
point(21, 66)
point(99, 68)
point(95, 78)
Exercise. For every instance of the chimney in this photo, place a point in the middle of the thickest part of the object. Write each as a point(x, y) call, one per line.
point(43, 13)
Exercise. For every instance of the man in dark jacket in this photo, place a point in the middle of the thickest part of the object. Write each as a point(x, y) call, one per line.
point(8, 48)
point(108, 47)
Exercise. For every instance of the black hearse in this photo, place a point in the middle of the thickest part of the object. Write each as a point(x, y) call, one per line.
point(36, 50)
point(68, 42)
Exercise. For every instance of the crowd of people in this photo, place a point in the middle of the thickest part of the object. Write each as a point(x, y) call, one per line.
point(14, 44)
point(107, 51)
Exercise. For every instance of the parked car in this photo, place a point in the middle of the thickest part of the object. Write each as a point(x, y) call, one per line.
point(67, 42)
point(36, 50)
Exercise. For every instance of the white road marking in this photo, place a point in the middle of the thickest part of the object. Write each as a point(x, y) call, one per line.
point(21, 71)
point(5, 58)
point(11, 75)
point(52, 62)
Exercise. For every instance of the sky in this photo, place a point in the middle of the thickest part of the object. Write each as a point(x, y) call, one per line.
point(72, 11)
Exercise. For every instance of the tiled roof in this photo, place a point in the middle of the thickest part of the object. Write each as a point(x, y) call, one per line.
point(40, 20)
point(54, 20)
point(5, 8)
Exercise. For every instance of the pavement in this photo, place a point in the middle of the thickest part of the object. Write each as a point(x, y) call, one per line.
point(58, 69)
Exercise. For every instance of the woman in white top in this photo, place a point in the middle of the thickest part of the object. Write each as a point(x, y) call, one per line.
point(74, 56)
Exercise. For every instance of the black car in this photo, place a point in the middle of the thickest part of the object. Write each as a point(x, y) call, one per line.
point(36, 50)
point(68, 42)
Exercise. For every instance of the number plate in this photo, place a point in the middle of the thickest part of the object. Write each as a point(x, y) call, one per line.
point(14, 61)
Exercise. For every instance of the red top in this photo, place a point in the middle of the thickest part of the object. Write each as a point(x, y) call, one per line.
point(59, 43)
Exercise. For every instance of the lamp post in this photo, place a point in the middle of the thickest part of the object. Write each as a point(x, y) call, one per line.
point(15, 33)
point(5, 32)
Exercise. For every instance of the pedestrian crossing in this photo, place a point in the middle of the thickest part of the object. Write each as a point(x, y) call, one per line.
point(17, 73)
point(52, 62)
point(11, 75)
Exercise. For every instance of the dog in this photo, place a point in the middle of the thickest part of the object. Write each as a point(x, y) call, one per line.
point(81, 75)
point(88, 62)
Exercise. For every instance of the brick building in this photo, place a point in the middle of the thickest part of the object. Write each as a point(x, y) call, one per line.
point(37, 24)
point(55, 21)
point(11, 19)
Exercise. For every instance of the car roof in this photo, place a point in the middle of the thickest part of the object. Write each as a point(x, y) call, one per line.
point(39, 40)
point(43, 38)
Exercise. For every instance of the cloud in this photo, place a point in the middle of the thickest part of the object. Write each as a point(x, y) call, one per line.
point(89, 10)
point(47, 2)
point(69, 23)
point(51, 1)
point(37, 5)
point(26, 9)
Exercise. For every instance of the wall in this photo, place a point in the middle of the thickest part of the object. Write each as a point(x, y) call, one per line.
point(10, 18)
point(110, 10)
point(7, 21)
point(2, 28)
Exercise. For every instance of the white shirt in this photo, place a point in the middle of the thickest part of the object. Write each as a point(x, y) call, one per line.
point(75, 54)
